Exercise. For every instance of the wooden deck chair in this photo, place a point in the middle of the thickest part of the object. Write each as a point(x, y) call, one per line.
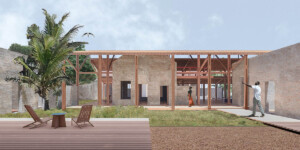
point(84, 116)
point(36, 118)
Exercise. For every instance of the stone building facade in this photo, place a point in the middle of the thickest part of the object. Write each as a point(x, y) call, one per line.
point(279, 75)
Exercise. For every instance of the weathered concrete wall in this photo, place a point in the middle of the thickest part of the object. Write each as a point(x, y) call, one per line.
point(237, 86)
point(152, 70)
point(281, 66)
point(89, 91)
point(71, 96)
point(182, 95)
point(7, 68)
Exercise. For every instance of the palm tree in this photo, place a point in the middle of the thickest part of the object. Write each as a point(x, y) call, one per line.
point(50, 48)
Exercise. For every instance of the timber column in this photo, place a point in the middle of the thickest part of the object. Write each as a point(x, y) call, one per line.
point(63, 90)
point(136, 81)
point(173, 81)
point(77, 80)
point(198, 80)
point(99, 80)
point(107, 81)
point(209, 82)
point(228, 79)
point(246, 81)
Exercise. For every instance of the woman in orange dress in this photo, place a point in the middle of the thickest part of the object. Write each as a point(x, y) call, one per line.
point(191, 102)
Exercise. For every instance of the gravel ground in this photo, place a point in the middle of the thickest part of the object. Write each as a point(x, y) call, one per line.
point(253, 138)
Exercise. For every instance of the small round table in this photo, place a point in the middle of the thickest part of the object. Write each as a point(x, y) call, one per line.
point(58, 120)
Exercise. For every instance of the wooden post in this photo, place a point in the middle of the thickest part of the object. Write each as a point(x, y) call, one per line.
point(209, 82)
point(198, 79)
point(63, 90)
point(246, 81)
point(107, 82)
point(203, 92)
point(173, 81)
point(228, 79)
point(216, 91)
point(136, 81)
point(77, 79)
point(100, 80)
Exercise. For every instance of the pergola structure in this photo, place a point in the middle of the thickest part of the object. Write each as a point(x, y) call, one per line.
point(189, 71)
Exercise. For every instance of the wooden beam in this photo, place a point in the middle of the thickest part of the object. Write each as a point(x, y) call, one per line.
point(198, 79)
point(168, 52)
point(173, 81)
point(83, 62)
point(71, 65)
point(228, 78)
point(209, 82)
point(77, 79)
point(88, 72)
point(111, 62)
point(246, 81)
point(218, 59)
point(136, 81)
point(107, 82)
point(205, 61)
point(99, 80)
point(203, 92)
point(216, 91)
point(193, 77)
point(63, 90)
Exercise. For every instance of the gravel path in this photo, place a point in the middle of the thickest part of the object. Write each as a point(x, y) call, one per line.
point(256, 138)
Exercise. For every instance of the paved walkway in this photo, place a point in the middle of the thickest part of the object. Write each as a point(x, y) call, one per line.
point(274, 120)
point(180, 107)
point(111, 134)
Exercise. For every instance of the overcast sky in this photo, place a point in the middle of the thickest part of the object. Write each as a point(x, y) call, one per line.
point(162, 24)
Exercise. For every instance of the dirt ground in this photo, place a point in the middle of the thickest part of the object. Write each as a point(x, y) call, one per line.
point(253, 138)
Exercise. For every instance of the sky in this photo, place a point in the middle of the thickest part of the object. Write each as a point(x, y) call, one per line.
point(162, 24)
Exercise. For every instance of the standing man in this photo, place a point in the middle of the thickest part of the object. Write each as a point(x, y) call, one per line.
point(256, 99)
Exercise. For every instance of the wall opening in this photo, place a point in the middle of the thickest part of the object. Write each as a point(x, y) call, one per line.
point(143, 94)
point(164, 95)
point(270, 96)
point(125, 90)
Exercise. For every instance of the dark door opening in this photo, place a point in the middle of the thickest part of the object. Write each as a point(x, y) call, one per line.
point(163, 95)
point(143, 95)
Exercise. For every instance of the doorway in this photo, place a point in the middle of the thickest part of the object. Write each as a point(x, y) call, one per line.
point(270, 96)
point(143, 94)
point(164, 95)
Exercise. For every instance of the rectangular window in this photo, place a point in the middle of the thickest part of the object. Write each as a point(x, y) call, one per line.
point(125, 89)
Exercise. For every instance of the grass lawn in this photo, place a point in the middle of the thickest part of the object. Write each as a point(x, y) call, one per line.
point(82, 102)
point(158, 118)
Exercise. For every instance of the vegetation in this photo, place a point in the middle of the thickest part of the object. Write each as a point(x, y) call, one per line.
point(82, 102)
point(87, 67)
point(49, 48)
point(156, 117)
point(26, 50)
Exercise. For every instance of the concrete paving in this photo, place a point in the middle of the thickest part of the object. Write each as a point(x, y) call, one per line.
point(266, 118)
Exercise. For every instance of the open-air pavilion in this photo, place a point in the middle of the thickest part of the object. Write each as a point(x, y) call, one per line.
point(210, 67)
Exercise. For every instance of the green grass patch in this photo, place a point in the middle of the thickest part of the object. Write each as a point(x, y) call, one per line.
point(177, 118)
point(82, 102)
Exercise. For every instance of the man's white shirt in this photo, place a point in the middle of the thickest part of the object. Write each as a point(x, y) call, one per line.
point(257, 92)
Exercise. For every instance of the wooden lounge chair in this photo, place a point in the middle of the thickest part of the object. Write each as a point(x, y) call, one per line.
point(84, 116)
point(36, 118)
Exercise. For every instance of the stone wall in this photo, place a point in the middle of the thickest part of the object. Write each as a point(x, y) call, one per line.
point(7, 68)
point(152, 70)
point(182, 95)
point(281, 67)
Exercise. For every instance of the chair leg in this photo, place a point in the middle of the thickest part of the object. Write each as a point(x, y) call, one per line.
point(91, 124)
point(28, 125)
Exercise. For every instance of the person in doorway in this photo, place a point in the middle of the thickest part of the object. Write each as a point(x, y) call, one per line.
point(191, 102)
point(256, 98)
